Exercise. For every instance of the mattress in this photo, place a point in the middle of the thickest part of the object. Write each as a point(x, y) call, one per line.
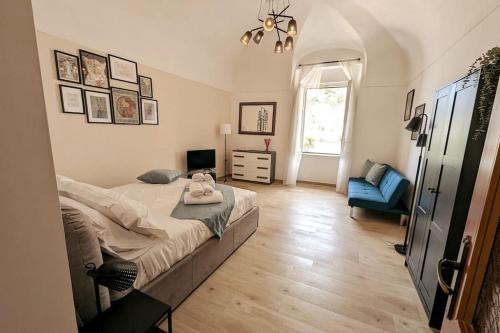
point(184, 235)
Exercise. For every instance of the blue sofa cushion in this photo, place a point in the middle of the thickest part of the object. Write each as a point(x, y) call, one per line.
point(386, 197)
point(392, 186)
point(363, 194)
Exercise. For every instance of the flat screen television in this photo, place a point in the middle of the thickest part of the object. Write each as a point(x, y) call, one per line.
point(200, 159)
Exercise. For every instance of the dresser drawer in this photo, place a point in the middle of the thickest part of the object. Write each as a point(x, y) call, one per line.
point(262, 160)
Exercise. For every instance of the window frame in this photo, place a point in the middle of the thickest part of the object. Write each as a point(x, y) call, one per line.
point(344, 84)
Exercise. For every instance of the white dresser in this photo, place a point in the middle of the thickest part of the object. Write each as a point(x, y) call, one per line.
point(254, 165)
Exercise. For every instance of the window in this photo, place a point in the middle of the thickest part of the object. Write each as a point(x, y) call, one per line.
point(323, 125)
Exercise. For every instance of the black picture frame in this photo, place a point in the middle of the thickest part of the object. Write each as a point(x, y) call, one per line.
point(61, 87)
point(59, 77)
point(113, 92)
point(84, 70)
point(87, 111)
point(269, 133)
point(418, 111)
point(140, 77)
point(409, 104)
point(157, 113)
point(113, 75)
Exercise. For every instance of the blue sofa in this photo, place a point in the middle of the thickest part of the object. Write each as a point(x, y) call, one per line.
point(386, 197)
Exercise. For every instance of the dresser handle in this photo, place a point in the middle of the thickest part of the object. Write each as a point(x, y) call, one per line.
point(261, 177)
point(239, 165)
point(239, 174)
point(262, 168)
point(240, 156)
point(263, 158)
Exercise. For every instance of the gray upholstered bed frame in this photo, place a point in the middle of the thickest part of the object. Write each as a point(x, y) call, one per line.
point(176, 284)
point(172, 286)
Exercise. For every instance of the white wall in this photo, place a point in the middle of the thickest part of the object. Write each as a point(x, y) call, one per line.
point(36, 287)
point(448, 67)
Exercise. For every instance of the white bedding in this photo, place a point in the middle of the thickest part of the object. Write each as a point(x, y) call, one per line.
point(184, 235)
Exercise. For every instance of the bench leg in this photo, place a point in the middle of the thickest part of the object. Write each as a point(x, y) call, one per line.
point(351, 212)
point(402, 220)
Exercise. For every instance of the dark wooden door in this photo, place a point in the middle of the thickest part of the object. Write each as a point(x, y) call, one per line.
point(430, 173)
point(441, 204)
point(444, 191)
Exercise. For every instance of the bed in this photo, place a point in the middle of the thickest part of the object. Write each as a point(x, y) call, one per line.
point(168, 269)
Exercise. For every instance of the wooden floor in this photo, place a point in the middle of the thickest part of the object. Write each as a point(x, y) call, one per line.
point(308, 268)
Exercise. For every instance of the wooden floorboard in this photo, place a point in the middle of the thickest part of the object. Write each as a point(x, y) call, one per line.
point(309, 268)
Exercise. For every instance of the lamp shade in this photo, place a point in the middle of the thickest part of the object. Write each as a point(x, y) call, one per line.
point(116, 275)
point(225, 129)
point(258, 37)
point(292, 28)
point(422, 140)
point(245, 39)
point(289, 43)
point(269, 24)
point(414, 124)
point(278, 48)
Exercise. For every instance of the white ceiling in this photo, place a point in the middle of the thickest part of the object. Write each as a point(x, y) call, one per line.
point(199, 40)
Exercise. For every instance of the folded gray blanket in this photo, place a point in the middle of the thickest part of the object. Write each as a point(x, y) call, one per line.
point(215, 216)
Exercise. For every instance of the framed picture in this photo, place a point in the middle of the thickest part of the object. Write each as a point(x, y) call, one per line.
point(71, 99)
point(122, 69)
point(98, 107)
point(94, 70)
point(409, 104)
point(145, 86)
point(125, 106)
point(149, 111)
point(257, 118)
point(67, 67)
point(418, 111)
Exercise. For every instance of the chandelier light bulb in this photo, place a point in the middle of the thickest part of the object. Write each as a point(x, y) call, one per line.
point(292, 28)
point(258, 37)
point(289, 43)
point(245, 39)
point(269, 24)
point(278, 48)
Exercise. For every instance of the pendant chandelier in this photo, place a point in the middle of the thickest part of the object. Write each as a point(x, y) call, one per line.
point(272, 22)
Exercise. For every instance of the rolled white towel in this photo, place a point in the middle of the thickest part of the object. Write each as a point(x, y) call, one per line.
point(196, 190)
point(208, 189)
point(217, 197)
point(208, 178)
point(198, 177)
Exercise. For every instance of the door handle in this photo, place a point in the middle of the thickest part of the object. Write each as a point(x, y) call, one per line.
point(432, 190)
point(454, 265)
point(442, 264)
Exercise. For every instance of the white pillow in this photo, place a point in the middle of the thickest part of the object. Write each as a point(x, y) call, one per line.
point(113, 239)
point(126, 212)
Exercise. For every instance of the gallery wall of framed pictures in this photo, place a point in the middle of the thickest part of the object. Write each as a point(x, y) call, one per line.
point(110, 104)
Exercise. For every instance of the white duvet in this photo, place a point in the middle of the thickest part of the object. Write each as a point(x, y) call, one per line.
point(184, 236)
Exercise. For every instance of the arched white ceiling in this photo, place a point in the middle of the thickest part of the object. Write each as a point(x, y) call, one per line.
point(199, 40)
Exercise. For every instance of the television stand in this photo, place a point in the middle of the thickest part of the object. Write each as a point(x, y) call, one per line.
point(212, 172)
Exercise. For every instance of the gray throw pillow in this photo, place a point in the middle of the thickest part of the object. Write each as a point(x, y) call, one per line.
point(375, 174)
point(160, 176)
point(366, 167)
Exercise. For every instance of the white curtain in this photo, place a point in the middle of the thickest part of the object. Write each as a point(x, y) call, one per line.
point(353, 73)
point(304, 78)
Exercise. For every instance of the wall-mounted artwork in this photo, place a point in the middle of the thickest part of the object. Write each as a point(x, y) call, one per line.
point(409, 104)
point(68, 67)
point(94, 70)
point(122, 69)
point(71, 99)
point(98, 107)
point(257, 118)
point(145, 86)
point(149, 110)
point(418, 111)
point(125, 106)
